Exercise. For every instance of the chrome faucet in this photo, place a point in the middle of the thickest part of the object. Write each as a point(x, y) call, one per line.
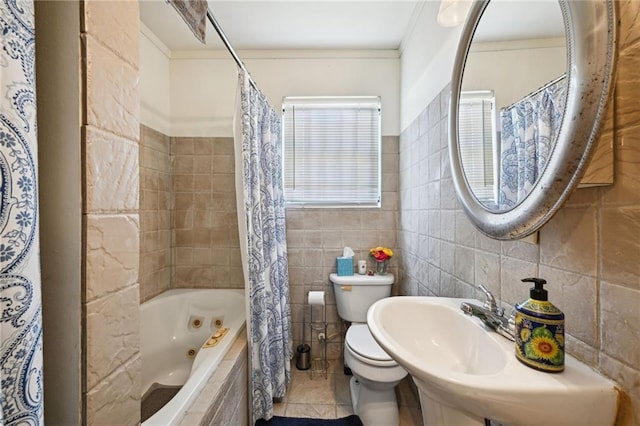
point(490, 303)
point(491, 315)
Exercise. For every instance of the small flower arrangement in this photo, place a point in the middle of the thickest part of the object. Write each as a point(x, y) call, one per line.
point(381, 254)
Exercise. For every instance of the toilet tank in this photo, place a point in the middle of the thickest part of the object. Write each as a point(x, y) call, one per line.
point(356, 293)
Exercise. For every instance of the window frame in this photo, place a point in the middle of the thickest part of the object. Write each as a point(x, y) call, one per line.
point(491, 150)
point(328, 100)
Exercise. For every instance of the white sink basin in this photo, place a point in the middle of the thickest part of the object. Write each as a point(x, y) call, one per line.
point(466, 372)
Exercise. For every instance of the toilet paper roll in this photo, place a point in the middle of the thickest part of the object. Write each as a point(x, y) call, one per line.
point(316, 298)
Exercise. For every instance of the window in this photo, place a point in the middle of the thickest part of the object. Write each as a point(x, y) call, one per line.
point(478, 143)
point(332, 154)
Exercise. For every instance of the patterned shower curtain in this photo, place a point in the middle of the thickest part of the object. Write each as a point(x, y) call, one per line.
point(529, 131)
point(261, 221)
point(20, 301)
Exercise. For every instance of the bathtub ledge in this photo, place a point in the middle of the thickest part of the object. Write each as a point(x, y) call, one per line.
point(215, 399)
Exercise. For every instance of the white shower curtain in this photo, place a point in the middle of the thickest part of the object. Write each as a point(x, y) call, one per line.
point(20, 300)
point(261, 221)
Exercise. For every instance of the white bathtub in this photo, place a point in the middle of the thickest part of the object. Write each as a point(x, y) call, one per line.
point(168, 332)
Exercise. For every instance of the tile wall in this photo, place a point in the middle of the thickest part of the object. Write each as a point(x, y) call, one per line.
point(156, 182)
point(187, 214)
point(587, 252)
point(110, 133)
point(205, 224)
point(316, 236)
point(204, 237)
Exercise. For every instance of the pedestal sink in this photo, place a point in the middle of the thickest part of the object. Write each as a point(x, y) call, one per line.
point(466, 373)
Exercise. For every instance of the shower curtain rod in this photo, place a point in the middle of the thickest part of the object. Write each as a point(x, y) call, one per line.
point(540, 89)
point(230, 48)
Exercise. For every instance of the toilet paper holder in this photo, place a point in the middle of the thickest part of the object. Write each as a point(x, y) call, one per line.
point(319, 364)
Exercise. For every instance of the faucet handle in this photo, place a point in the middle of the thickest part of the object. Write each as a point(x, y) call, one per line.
point(490, 303)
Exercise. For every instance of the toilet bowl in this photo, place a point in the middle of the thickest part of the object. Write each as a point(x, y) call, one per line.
point(375, 373)
point(375, 376)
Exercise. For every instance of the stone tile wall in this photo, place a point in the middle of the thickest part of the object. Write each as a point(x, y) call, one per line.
point(316, 236)
point(156, 182)
point(587, 252)
point(110, 133)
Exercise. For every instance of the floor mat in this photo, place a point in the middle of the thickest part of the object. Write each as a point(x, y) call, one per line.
point(352, 420)
point(156, 398)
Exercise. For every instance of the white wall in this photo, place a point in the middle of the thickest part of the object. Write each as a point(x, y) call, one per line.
point(426, 61)
point(155, 101)
point(203, 90)
point(357, 73)
point(189, 94)
point(203, 93)
point(429, 50)
point(202, 85)
point(514, 69)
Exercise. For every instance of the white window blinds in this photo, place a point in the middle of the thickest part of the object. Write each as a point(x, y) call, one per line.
point(332, 151)
point(476, 138)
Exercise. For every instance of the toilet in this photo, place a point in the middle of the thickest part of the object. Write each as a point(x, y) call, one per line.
point(375, 373)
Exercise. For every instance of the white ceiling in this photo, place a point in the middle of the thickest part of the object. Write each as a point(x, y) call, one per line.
point(520, 20)
point(339, 24)
point(300, 24)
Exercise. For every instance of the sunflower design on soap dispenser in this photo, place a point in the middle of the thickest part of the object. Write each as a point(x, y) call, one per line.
point(544, 346)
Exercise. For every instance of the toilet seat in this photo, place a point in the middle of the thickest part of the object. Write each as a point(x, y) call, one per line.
point(364, 347)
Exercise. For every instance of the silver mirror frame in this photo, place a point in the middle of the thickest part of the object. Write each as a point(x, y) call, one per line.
point(591, 47)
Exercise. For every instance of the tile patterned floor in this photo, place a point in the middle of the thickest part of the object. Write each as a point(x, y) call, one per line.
point(329, 398)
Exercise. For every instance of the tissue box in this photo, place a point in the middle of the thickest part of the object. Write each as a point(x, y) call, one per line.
point(345, 266)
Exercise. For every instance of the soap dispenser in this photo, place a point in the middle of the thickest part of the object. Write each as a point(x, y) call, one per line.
point(540, 331)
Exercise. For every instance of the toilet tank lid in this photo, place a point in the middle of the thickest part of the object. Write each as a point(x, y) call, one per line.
point(358, 279)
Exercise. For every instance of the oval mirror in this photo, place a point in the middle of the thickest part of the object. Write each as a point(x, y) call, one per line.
point(529, 86)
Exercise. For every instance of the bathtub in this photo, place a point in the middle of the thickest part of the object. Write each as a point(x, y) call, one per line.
point(174, 327)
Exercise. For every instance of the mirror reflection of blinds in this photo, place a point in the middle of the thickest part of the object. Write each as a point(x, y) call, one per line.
point(332, 151)
point(476, 132)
